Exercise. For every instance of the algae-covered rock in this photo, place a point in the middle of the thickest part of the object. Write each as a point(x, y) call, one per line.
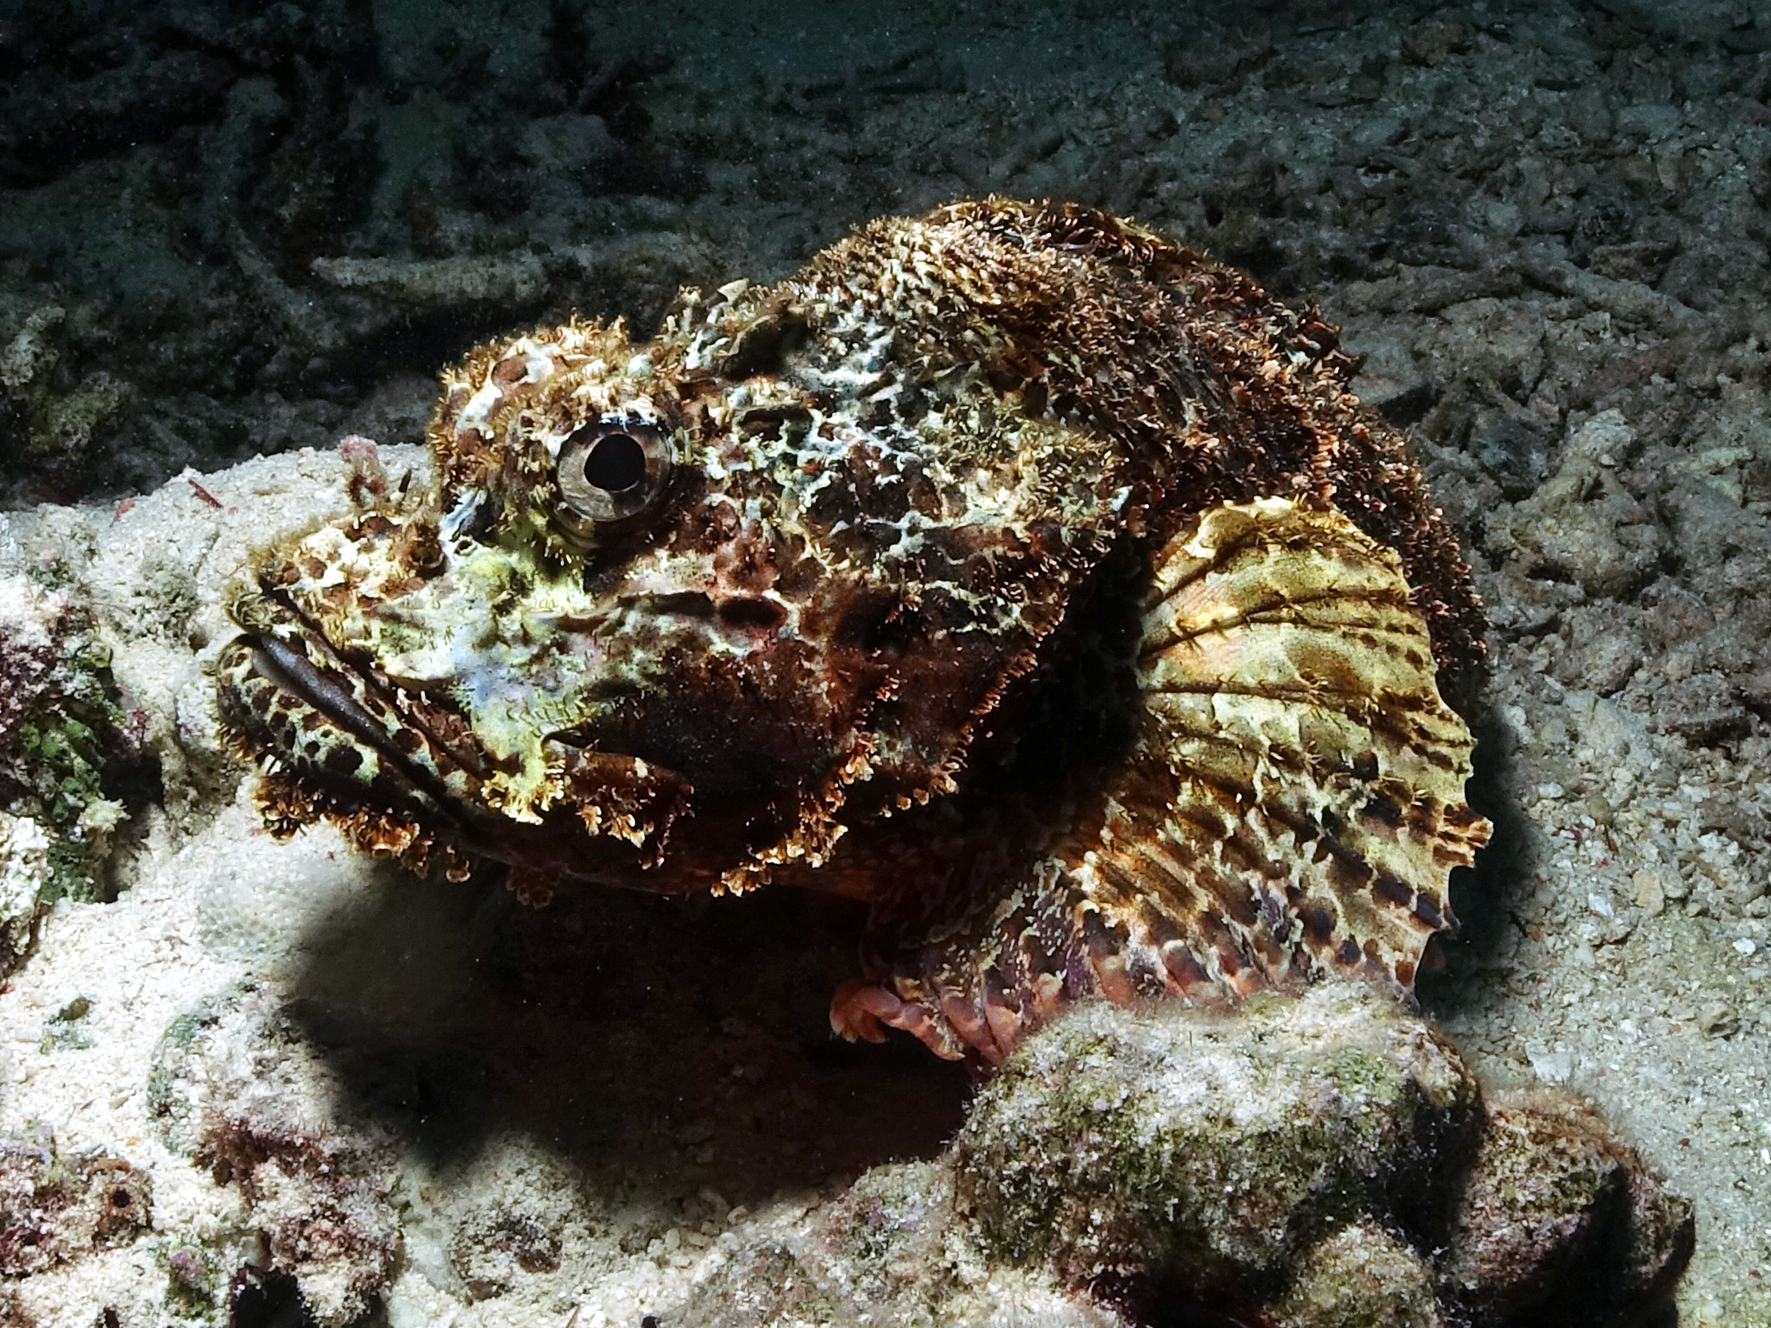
point(24, 879)
point(1212, 1152)
point(1583, 525)
point(64, 750)
point(240, 1089)
point(56, 1207)
point(1362, 1275)
point(54, 422)
point(1308, 1163)
point(893, 1249)
point(1560, 1220)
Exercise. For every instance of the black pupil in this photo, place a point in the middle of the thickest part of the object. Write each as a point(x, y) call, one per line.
point(617, 462)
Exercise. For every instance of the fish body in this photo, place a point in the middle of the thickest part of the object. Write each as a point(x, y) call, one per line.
point(1010, 568)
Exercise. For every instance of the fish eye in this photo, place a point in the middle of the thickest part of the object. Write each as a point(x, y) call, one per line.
point(610, 471)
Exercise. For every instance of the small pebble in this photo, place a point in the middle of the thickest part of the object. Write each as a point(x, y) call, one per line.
point(1717, 1021)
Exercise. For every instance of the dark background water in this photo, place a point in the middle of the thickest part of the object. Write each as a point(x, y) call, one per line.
point(231, 228)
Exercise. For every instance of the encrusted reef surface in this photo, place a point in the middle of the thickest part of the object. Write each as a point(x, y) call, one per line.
point(271, 1079)
point(1306, 1164)
point(309, 1079)
point(224, 232)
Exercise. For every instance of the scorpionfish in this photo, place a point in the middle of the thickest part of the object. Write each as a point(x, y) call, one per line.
point(1010, 568)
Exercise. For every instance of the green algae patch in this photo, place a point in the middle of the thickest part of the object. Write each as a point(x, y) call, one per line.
point(68, 761)
point(59, 760)
point(171, 1096)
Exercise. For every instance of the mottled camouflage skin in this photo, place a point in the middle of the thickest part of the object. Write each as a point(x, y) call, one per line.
point(1009, 567)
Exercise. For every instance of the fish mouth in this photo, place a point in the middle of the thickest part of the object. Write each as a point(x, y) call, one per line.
point(335, 738)
point(287, 665)
point(404, 776)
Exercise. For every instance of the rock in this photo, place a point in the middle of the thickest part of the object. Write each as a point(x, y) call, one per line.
point(240, 1088)
point(1332, 1146)
point(1649, 895)
point(1708, 523)
point(1363, 1274)
point(1213, 57)
point(1702, 709)
point(1319, 1162)
point(49, 417)
point(1588, 115)
point(1432, 41)
point(1389, 378)
point(1602, 649)
point(64, 751)
point(1560, 1222)
point(1718, 1021)
point(56, 1207)
point(894, 1249)
point(1489, 338)
point(1213, 1153)
point(1604, 440)
point(516, 281)
point(24, 883)
point(493, 1249)
point(1582, 525)
point(1648, 119)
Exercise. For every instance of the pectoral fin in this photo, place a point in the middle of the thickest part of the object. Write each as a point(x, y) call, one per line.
point(1292, 803)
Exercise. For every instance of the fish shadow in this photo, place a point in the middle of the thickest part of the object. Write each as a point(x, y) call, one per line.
point(1488, 898)
point(674, 1044)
